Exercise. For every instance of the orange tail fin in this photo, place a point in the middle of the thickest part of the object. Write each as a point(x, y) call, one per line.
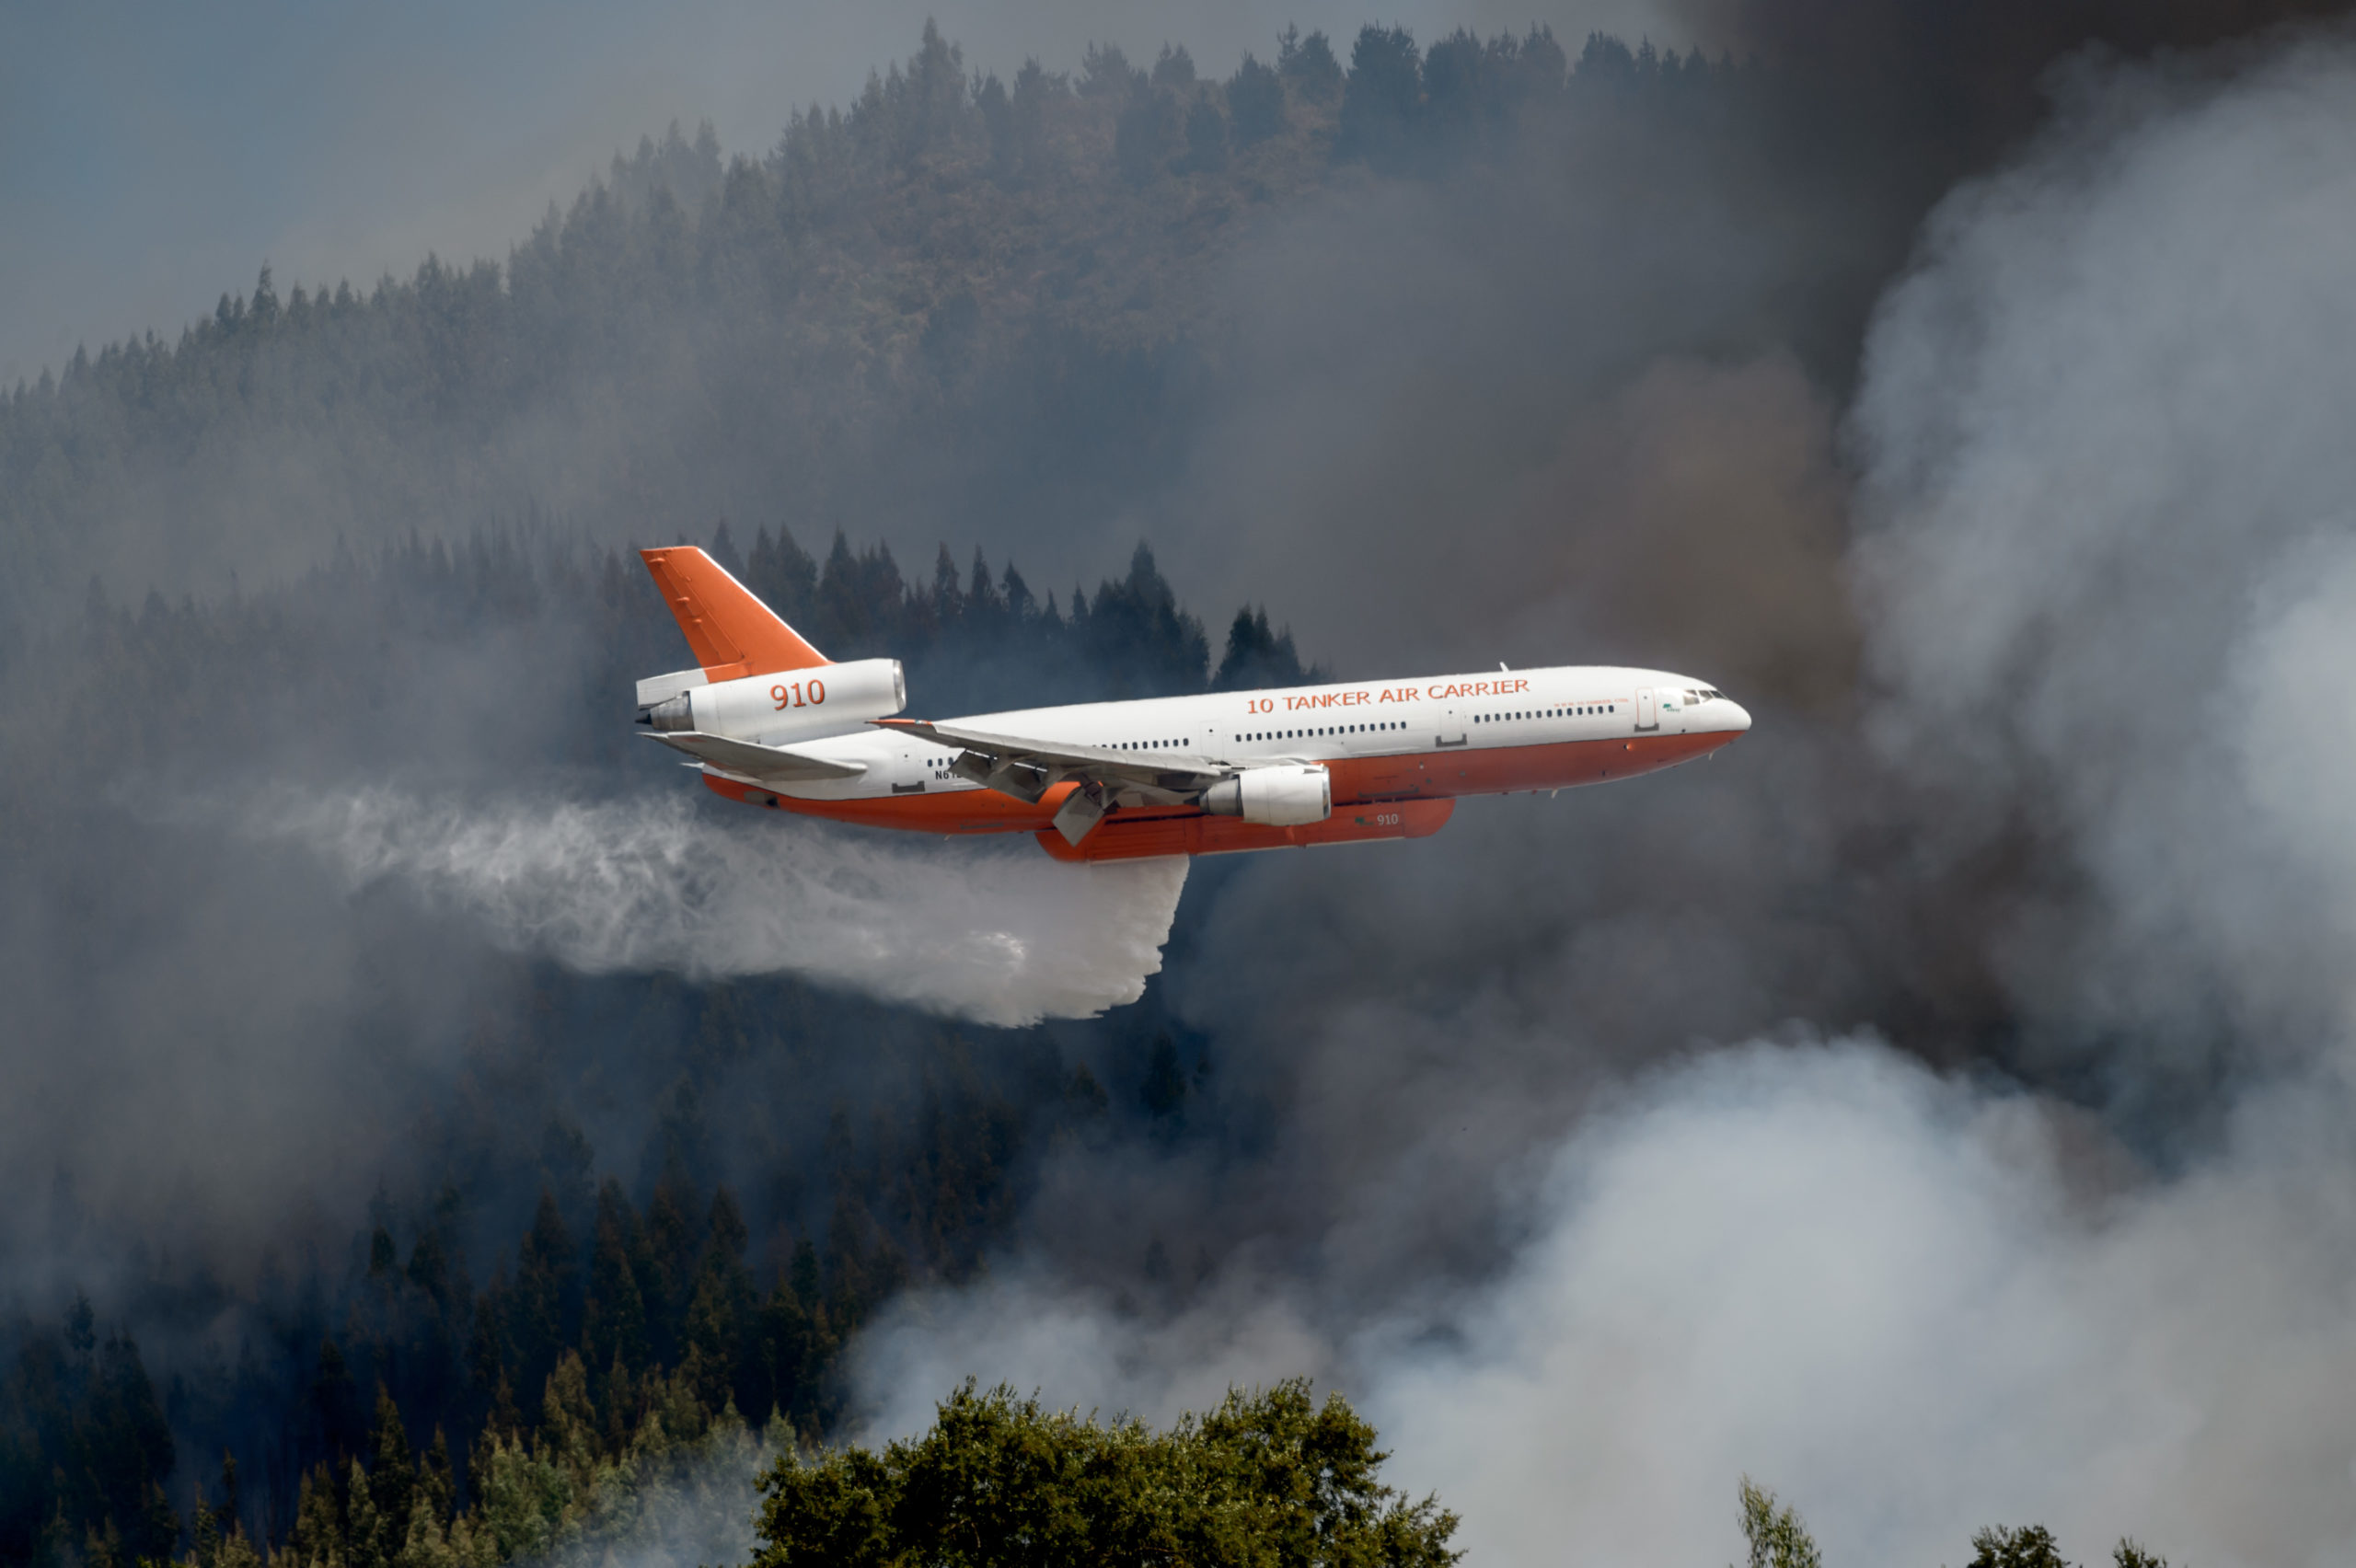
point(733, 633)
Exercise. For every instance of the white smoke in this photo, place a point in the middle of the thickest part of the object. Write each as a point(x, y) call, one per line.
point(2107, 565)
point(2107, 477)
point(1034, 1333)
point(1914, 1307)
point(999, 934)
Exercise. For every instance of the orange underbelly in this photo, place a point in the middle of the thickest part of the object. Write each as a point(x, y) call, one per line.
point(1495, 771)
point(1424, 776)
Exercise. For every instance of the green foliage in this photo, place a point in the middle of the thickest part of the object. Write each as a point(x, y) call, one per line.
point(2015, 1546)
point(1173, 67)
point(1777, 1537)
point(1105, 72)
point(1257, 656)
point(1255, 102)
point(1383, 98)
point(84, 1445)
point(1307, 64)
point(2032, 1546)
point(1136, 631)
point(1269, 1479)
point(1145, 135)
point(1206, 136)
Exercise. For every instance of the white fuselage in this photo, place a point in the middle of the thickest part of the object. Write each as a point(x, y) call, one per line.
point(1321, 724)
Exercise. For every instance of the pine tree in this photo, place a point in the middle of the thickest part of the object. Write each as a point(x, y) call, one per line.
point(1143, 135)
point(718, 1316)
point(437, 1485)
point(317, 1536)
point(1381, 103)
point(392, 1475)
point(1255, 102)
point(1034, 91)
point(666, 1260)
point(780, 572)
point(365, 1545)
point(1206, 136)
point(614, 1325)
point(1307, 64)
point(997, 123)
point(540, 1301)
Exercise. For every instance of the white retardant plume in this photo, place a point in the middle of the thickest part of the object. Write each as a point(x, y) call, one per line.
point(2107, 567)
point(997, 933)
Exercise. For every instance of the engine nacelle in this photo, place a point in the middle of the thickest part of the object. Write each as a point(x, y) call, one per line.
point(1274, 797)
point(791, 704)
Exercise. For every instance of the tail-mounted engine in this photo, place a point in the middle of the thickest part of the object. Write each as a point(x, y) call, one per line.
point(1275, 797)
point(791, 705)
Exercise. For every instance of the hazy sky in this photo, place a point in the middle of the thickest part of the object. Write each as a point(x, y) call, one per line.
point(154, 154)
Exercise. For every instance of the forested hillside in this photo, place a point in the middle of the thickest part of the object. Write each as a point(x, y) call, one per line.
point(958, 305)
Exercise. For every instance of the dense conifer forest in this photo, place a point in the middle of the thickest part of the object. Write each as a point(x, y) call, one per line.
point(959, 298)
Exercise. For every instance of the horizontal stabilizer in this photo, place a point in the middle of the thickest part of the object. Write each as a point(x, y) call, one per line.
point(775, 764)
point(663, 689)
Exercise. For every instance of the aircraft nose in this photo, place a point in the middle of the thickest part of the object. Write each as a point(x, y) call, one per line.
point(1737, 717)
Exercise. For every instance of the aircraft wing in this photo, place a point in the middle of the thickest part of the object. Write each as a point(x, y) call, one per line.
point(1026, 769)
point(759, 763)
point(1179, 779)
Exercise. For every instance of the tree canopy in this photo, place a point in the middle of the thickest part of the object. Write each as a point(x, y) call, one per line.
point(1270, 1479)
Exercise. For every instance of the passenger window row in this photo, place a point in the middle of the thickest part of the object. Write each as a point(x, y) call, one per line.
point(1328, 729)
point(1570, 711)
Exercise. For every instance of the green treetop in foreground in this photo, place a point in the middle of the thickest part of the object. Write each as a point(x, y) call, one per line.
point(1269, 1479)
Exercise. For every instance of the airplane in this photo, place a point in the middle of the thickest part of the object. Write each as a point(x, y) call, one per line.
point(772, 723)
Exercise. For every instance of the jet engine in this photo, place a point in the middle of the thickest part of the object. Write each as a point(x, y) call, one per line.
point(1274, 797)
point(792, 704)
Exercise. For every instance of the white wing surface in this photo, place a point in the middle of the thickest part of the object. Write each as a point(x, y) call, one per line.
point(1026, 769)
